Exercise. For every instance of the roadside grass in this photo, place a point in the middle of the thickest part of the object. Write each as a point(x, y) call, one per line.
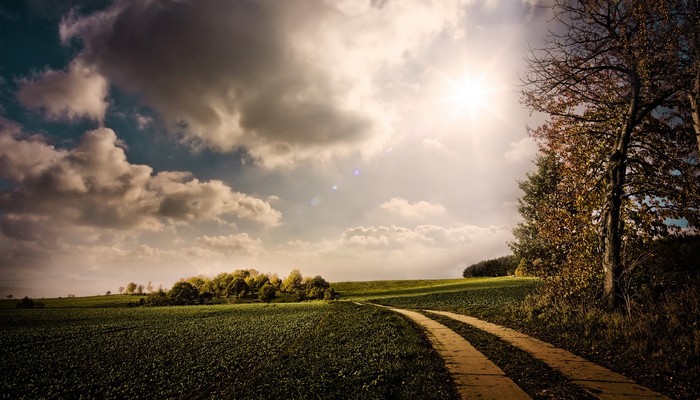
point(375, 290)
point(479, 297)
point(246, 351)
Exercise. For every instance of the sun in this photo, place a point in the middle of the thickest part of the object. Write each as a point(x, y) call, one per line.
point(470, 94)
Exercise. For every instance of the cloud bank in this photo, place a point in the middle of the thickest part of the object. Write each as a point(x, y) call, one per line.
point(93, 184)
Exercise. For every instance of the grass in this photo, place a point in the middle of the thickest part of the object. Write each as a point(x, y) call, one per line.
point(477, 296)
point(115, 300)
point(376, 290)
point(294, 351)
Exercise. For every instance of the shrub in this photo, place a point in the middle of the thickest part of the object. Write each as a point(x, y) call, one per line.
point(330, 294)
point(267, 292)
point(27, 302)
point(183, 293)
point(300, 295)
point(157, 298)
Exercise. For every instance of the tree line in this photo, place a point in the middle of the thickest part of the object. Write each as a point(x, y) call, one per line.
point(239, 285)
point(617, 177)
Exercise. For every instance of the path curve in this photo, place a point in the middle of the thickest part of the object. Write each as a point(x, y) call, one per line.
point(599, 381)
point(475, 375)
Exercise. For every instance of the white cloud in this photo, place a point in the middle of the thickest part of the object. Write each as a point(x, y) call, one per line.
point(79, 92)
point(396, 237)
point(522, 150)
point(403, 208)
point(435, 144)
point(94, 185)
point(240, 244)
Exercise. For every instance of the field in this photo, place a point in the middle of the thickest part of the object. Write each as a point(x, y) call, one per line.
point(311, 350)
point(478, 296)
point(97, 347)
point(376, 290)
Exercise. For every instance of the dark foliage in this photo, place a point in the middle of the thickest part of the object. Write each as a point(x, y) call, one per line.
point(501, 266)
point(27, 302)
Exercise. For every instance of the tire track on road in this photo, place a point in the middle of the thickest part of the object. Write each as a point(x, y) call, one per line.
point(475, 376)
point(597, 380)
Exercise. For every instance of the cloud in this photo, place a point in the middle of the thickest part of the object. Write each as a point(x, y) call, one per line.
point(95, 185)
point(403, 208)
point(395, 252)
point(79, 92)
point(435, 144)
point(287, 81)
point(239, 244)
point(522, 150)
point(397, 238)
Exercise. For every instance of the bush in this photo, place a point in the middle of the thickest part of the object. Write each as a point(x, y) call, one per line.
point(27, 302)
point(157, 298)
point(300, 295)
point(183, 293)
point(267, 292)
point(330, 294)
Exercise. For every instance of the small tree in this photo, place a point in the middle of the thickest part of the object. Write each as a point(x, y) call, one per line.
point(139, 289)
point(238, 287)
point(121, 289)
point(10, 297)
point(183, 293)
point(131, 288)
point(316, 287)
point(109, 292)
point(267, 292)
point(293, 282)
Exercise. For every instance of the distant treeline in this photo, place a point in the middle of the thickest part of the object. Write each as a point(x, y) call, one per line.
point(242, 285)
point(501, 266)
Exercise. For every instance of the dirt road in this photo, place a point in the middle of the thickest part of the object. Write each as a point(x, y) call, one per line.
point(477, 377)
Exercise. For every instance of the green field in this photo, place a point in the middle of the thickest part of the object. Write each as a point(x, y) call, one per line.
point(115, 300)
point(376, 290)
point(479, 296)
point(96, 347)
point(312, 350)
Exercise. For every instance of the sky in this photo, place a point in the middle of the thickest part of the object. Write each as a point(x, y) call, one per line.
point(358, 140)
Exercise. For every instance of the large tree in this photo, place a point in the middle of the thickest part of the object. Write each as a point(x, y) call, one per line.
point(609, 77)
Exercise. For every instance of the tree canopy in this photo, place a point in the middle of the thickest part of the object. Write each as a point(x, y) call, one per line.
point(617, 79)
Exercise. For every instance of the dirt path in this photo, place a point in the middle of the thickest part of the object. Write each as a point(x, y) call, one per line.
point(475, 375)
point(599, 381)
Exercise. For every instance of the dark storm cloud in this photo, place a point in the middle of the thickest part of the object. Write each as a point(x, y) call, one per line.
point(223, 74)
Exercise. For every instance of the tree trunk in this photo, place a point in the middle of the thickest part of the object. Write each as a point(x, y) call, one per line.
point(613, 228)
point(695, 111)
point(612, 240)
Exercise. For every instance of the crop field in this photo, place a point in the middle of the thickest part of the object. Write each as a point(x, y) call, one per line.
point(292, 351)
